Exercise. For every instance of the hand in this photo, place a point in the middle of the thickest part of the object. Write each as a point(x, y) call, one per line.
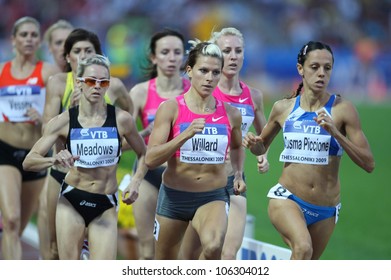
point(130, 194)
point(263, 164)
point(250, 140)
point(239, 185)
point(34, 115)
point(325, 120)
point(148, 130)
point(65, 159)
point(197, 125)
point(75, 96)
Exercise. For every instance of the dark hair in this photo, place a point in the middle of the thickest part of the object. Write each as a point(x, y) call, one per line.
point(77, 35)
point(151, 69)
point(205, 49)
point(303, 54)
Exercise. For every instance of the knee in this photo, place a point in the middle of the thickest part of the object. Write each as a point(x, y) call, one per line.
point(302, 250)
point(229, 253)
point(212, 249)
point(11, 224)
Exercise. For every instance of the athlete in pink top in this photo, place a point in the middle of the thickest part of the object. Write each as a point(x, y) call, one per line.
point(249, 101)
point(192, 133)
point(166, 59)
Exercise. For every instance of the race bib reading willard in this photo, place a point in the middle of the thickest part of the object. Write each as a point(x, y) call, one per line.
point(97, 146)
point(206, 147)
point(15, 100)
point(305, 142)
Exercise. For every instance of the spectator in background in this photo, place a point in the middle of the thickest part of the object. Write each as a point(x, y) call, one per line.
point(22, 86)
point(317, 127)
point(166, 59)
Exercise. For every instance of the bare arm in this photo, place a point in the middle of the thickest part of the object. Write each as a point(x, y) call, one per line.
point(54, 93)
point(36, 160)
point(259, 123)
point(355, 142)
point(139, 94)
point(236, 150)
point(128, 128)
point(119, 95)
point(258, 145)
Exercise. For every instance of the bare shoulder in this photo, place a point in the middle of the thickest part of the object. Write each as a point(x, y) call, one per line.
point(283, 105)
point(255, 93)
point(116, 82)
point(140, 88)
point(49, 70)
point(343, 108)
point(232, 111)
point(56, 83)
point(58, 125)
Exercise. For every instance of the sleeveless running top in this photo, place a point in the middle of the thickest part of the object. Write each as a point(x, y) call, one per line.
point(209, 146)
point(96, 146)
point(17, 95)
point(66, 98)
point(243, 102)
point(305, 141)
point(153, 101)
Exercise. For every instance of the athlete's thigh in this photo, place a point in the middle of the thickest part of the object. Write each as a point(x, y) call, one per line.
point(144, 208)
point(52, 194)
point(236, 217)
point(191, 245)
point(70, 230)
point(102, 236)
point(320, 234)
point(210, 220)
point(31, 191)
point(288, 219)
point(10, 192)
point(168, 233)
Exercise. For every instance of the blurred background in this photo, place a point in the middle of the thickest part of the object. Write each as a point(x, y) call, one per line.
point(358, 31)
point(274, 30)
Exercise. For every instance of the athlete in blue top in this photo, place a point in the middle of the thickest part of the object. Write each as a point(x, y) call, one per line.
point(317, 127)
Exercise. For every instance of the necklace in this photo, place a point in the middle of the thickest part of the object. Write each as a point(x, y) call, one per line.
point(207, 109)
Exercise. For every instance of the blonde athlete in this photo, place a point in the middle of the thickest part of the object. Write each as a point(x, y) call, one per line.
point(193, 133)
point(63, 94)
point(22, 96)
point(91, 134)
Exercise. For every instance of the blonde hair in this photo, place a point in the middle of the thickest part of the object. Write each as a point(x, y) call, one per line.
point(60, 24)
point(96, 59)
point(22, 21)
point(224, 32)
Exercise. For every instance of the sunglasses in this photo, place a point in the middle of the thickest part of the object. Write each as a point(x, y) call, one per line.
point(92, 81)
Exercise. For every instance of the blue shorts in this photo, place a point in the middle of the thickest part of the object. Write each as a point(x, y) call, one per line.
point(10, 155)
point(181, 205)
point(312, 213)
point(88, 205)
